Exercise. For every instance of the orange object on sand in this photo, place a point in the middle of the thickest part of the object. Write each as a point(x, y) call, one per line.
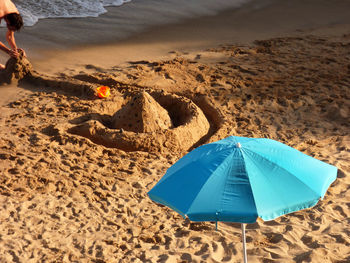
point(103, 91)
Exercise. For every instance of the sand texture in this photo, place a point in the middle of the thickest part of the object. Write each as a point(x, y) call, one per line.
point(75, 169)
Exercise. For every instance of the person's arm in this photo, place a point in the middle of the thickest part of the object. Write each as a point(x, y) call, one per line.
point(10, 36)
point(5, 48)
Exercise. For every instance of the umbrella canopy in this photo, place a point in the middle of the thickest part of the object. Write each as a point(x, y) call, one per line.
point(238, 179)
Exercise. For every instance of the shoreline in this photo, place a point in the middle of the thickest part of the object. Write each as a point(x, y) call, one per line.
point(236, 26)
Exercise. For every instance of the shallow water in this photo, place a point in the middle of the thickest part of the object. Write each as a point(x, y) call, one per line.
point(33, 10)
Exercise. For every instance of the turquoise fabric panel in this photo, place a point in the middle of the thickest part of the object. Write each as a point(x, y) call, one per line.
point(276, 191)
point(184, 180)
point(226, 194)
point(316, 174)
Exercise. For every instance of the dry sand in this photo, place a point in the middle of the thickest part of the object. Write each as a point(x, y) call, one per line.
point(69, 193)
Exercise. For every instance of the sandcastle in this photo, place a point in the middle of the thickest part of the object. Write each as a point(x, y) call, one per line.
point(150, 120)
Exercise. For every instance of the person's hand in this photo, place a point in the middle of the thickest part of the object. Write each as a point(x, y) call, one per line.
point(22, 52)
point(13, 53)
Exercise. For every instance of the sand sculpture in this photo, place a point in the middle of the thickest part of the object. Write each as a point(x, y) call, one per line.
point(177, 124)
point(141, 114)
point(149, 121)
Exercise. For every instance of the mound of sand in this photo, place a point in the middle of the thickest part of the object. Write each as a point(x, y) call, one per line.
point(18, 69)
point(15, 70)
point(142, 114)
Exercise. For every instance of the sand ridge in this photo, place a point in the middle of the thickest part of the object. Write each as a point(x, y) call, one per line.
point(65, 198)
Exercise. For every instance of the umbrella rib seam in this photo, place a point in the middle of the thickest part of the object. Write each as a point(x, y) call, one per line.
point(288, 173)
point(248, 150)
point(250, 185)
point(206, 183)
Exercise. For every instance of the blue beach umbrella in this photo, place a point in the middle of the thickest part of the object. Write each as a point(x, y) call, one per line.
point(239, 179)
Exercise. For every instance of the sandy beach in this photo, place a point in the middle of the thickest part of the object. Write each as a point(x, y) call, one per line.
point(74, 180)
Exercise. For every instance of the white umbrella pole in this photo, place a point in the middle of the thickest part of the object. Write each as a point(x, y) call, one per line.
point(244, 244)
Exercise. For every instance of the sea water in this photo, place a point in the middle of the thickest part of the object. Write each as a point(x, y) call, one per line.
point(33, 10)
point(171, 10)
